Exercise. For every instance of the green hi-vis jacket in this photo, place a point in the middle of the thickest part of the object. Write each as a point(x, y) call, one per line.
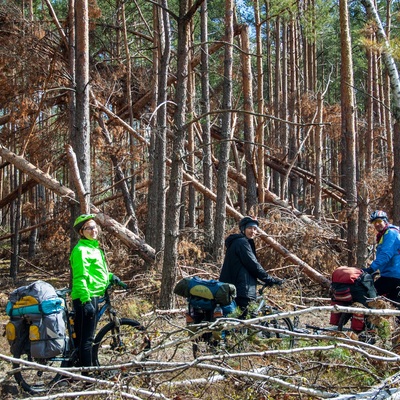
point(90, 275)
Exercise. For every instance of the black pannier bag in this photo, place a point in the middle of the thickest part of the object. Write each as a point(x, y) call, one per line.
point(38, 309)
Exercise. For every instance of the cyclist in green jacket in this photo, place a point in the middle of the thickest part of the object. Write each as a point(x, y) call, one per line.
point(90, 279)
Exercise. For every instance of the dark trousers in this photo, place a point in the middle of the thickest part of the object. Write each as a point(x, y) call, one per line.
point(84, 328)
point(243, 304)
point(389, 287)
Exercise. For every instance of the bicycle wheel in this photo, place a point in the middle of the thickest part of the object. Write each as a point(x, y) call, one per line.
point(31, 379)
point(276, 340)
point(251, 339)
point(266, 338)
point(116, 345)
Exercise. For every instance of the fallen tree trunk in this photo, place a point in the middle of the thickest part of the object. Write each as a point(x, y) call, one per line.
point(37, 174)
point(146, 252)
point(29, 184)
point(303, 172)
point(308, 270)
point(133, 241)
point(282, 169)
point(27, 229)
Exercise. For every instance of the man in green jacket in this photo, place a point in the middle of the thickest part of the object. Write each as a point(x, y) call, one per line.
point(90, 279)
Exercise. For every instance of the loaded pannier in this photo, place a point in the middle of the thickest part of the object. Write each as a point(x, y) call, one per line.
point(206, 294)
point(351, 285)
point(35, 310)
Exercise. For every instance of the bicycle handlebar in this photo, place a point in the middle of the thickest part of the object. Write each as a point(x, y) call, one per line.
point(65, 291)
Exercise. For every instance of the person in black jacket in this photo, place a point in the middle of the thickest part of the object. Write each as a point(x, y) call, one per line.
point(241, 267)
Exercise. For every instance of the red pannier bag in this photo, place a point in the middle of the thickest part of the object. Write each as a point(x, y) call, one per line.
point(342, 279)
point(346, 275)
point(335, 316)
point(357, 323)
point(351, 285)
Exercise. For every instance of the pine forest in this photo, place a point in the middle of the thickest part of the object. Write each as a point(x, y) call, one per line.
point(173, 119)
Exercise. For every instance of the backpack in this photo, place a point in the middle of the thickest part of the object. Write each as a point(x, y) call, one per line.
point(205, 294)
point(351, 285)
point(36, 308)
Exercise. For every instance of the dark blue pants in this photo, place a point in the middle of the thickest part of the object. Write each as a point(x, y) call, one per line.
point(389, 287)
point(243, 304)
point(84, 328)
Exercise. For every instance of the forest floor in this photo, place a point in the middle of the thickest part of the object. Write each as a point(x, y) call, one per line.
point(131, 304)
point(313, 368)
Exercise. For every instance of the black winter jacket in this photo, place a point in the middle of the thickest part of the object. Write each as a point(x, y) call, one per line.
point(241, 267)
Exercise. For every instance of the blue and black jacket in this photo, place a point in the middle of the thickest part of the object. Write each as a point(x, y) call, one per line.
point(387, 259)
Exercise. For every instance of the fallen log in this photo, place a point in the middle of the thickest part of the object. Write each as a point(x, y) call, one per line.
point(146, 252)
point(308, 270)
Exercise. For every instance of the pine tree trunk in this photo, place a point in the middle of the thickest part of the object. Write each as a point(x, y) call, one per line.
point(80, 140)
point(248, 126)
point(348, 131)
point(222, 181)
point(318, 158)
point(173, 200)
point(191, 208)
point(208, 218)
point(157, 186)
point(260, 109)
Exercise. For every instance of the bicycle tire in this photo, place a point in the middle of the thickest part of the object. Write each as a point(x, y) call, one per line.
point(278, 340)
point(32, 380)
point(119, 345)
point(247, 339)
point(253, 339)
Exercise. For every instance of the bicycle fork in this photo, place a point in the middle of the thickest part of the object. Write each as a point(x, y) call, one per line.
point(117, 341)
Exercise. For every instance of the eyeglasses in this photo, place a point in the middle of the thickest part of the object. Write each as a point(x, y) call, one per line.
point(378, 221)
point(90, 228)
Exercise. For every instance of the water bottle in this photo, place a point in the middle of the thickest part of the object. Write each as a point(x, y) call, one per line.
point(189, 314)
point(218, 313)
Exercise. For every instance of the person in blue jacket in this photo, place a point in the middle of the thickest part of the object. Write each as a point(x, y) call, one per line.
point(387, 259)
point(241, 267)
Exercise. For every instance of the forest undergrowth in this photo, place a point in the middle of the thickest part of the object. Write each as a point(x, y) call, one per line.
point(322, 364)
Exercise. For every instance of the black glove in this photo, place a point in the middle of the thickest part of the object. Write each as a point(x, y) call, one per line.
point(88, 310)
point(278, 282)
point(274, 281)
point(368, 270)
point(116, 281)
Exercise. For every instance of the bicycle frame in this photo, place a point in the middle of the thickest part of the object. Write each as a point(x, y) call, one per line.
point(261, 302)
point(106, 307)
